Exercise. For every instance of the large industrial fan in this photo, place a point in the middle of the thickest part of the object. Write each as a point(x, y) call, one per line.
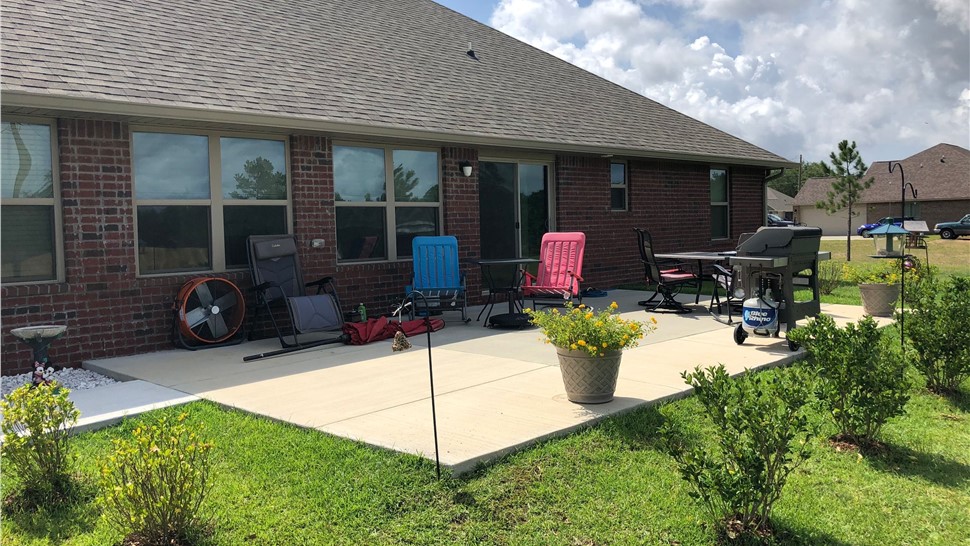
point(208, 312)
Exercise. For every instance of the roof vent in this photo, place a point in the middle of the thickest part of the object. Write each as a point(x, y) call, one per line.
point(471, 52)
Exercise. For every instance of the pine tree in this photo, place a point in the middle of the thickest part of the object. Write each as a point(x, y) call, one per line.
point(848, 169)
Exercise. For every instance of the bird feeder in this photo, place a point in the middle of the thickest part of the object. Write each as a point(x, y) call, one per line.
point(890, 241)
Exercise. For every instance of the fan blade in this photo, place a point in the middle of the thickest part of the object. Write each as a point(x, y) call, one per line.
point(226, 301)
point(205, 297)
point(217, 326)
point(196, 317)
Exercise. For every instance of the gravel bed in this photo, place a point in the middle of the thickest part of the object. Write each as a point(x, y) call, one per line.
point(74, 379)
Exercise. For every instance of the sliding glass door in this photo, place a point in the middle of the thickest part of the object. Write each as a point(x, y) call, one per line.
point(514, 207)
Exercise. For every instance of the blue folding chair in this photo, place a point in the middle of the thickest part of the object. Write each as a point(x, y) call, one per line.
point(437, 276)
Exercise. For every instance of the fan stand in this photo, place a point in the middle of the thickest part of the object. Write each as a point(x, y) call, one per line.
point(208, 312)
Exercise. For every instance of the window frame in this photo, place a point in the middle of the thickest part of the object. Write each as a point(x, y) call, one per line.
point(54, 201)
point(216, 202)
point(390, 203)
point(625, 186)
point(726, 204)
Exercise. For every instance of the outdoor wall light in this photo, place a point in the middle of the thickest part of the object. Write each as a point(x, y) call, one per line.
point(466, 168)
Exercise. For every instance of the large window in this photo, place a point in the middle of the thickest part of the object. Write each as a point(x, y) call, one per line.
point(30, 237)
point(198, 196)
point(385, 197)
point(618, 186)
point(719, 204)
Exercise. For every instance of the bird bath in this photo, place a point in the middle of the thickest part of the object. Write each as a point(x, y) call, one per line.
point(39, 338)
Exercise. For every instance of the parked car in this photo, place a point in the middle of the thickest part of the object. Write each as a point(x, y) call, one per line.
point(952, 230)
point(864, 229)
point(777, 221)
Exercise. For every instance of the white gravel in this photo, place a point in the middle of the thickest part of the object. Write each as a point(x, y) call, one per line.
point(74, 379)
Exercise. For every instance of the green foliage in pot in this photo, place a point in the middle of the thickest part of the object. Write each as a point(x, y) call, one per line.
point(938, 327)
point(37, 422)
point(861, 375)
point(583, 329)
point(762, 435)
point(153, 485)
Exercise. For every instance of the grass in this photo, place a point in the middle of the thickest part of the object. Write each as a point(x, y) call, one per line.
point(951, 257)
point(276, 484)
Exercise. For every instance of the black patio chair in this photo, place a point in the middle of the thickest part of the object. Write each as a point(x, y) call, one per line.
point(669, 278)
point(728, 281)
point(275, 266)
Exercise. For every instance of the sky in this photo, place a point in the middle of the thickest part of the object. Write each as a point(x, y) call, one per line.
point(795, 77)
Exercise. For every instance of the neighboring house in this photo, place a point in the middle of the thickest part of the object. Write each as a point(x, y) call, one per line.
point(780, 204)
point(943, 191)
point(143, 141)
point(814, 190)
point(942, 187)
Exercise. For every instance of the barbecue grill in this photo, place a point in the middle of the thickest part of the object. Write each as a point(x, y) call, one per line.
point(772, 261)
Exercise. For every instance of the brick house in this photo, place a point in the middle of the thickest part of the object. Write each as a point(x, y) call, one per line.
point(943, 191)
point(143, 141)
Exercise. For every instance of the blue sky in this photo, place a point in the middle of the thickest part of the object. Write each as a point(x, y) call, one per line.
point(792, 76)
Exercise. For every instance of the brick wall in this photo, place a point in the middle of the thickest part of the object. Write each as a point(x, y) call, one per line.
point(669, 199)
point(111, 312)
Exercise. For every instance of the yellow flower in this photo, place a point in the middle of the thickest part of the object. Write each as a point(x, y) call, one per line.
point(573, 346)
point(581, 343)
point(653, 320)
point(589, 314)
point(605, 344)
point(613, 305)
point(581, 306)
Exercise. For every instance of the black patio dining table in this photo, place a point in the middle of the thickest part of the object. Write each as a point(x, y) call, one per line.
point(511, 284)
point(701, 258)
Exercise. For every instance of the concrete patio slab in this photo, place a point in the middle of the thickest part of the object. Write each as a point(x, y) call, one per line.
point(496, 391)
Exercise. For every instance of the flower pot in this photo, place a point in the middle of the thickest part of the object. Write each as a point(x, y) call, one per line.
point(879, 300)
point(589, 379)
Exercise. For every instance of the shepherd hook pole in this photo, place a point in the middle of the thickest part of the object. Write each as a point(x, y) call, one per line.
point(902, 274)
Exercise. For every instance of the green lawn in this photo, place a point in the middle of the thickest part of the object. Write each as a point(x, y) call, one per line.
point(612, 484)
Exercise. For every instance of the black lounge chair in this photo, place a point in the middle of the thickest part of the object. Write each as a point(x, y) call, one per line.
point(669, 277)
point(275, 266)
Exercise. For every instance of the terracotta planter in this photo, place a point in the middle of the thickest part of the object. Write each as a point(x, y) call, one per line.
point(589, 379)
point(879, 300)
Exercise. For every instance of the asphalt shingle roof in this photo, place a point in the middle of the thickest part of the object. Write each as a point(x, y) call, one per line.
point(934, 180)
point(385, 64)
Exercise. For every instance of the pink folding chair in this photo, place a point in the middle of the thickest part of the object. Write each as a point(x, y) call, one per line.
point(560, 270)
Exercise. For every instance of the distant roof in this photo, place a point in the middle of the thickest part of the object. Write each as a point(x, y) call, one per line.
point(813, 190)
point(395, 69)
point(778, 201)
point(933, 180)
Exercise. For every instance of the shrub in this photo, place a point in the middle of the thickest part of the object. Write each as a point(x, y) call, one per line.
point(938, 327)
point(762, 436)
point(861, 374)
point(37, 421)
point(829, 277)
point(154, 483)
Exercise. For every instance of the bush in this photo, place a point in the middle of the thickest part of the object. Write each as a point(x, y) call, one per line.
point(762, 436)
point(862, 375)
point(938, 327)
point(829, 277)
point(154, 483)
point(37, 421)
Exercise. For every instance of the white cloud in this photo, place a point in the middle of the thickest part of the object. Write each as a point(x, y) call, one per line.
point(794, 77)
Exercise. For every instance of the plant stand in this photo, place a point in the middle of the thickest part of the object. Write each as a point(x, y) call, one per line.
point(589, 379)
point(879, 300)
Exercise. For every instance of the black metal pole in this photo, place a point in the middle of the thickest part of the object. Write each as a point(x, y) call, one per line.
point(902, 274)
point(427, 326)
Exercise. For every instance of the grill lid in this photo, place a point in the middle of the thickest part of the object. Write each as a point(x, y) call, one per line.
point(780, 241)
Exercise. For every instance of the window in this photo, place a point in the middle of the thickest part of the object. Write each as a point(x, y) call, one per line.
point(30, 213)
point(199, 196)
point(719, 204)
point(618, 186)
point(385, 197)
